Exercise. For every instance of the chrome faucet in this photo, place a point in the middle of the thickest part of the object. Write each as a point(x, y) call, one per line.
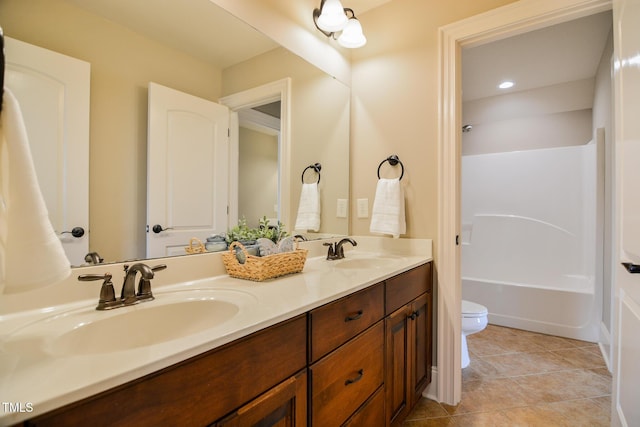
point(336, 251)
point(128, 295)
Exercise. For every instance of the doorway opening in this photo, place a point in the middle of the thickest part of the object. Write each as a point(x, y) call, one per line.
point(272, 96)
point(500, 23)
point(534, 177)
point(258, 163)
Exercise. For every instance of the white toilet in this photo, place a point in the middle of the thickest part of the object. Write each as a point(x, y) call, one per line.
point(474, 319)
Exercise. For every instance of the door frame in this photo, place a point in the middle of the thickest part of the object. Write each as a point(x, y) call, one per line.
point(515, 18)
point(279, 90)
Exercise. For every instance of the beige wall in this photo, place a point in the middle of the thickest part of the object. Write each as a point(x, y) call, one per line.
point(122, 65)
point(395, 101)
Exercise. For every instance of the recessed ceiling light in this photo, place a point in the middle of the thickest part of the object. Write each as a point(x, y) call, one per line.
point(506, 85)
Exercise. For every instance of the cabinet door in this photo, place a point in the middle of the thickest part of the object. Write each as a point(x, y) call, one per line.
point(408, 357)
point(397, 370)
point(284, 405)
point(420, 346)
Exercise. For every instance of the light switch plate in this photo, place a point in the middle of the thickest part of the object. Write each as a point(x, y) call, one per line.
point(341, 208)
point(363, 208)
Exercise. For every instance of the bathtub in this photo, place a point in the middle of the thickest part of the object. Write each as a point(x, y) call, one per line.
point(529, 239)
point(565, 312)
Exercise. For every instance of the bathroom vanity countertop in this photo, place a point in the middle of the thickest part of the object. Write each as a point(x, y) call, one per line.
point(36, 378)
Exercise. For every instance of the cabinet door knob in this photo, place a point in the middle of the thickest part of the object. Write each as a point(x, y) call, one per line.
point(356, 379)
point(354, 316)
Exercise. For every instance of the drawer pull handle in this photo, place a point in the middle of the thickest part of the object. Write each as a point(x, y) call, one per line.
point(354, 316)
point(356, 379)
point(413, 315)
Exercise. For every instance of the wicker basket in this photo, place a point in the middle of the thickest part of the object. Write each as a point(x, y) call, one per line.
point(195, 246)
point(263, 268)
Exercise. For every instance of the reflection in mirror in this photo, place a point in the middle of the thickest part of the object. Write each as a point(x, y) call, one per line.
point(258, 165)
point(128, 47)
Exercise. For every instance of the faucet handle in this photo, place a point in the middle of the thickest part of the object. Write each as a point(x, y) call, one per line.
point(144, 285)
point(107, 292)
point(331, 252)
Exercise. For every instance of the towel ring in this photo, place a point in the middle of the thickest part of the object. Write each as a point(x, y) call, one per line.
point(393, 160)
point(316, 167)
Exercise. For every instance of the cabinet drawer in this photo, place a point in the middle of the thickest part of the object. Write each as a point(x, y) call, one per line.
point(371, 414)
point(335, 323)
point(344, 380)
point(407, 286)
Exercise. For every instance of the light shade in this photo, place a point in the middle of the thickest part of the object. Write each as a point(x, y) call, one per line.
point(332, 18)
point(352, 35)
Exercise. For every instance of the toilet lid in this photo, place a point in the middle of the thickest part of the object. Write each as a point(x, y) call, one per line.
point(472, 309)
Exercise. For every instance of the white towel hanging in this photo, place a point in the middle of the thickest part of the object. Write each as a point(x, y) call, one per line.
point(309, 208)
point(388, 214)
point(31, 254)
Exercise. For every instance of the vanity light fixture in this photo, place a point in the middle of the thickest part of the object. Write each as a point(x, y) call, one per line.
point(331, 18)
point(506, 84)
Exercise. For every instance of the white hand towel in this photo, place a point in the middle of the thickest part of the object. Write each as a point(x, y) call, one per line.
point(387, 214)
point(309, 208)
point(31, 254)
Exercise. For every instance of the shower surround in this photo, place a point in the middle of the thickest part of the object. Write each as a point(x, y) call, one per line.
point(529, 239)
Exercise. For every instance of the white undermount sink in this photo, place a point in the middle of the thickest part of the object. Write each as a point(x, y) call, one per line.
point(354, 260)
point(172, 315)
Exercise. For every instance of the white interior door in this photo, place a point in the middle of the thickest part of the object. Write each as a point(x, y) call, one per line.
point(53, 92)
point(187, 170)
point(626, 15)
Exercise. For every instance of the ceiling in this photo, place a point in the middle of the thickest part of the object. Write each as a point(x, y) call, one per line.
point(562, 53)
point(197, 27)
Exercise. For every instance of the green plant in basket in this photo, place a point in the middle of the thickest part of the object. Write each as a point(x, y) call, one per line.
point(243, 233)
point(274, 233)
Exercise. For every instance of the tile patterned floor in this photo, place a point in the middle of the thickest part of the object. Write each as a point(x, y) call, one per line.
point(520, 378)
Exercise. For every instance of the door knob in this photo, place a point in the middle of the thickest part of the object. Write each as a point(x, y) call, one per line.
point(76, 232)
point(158, 228)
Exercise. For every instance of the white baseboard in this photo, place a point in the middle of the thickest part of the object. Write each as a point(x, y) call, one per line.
point(431, 392)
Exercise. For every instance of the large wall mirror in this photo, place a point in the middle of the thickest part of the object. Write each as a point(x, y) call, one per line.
point(196, 47)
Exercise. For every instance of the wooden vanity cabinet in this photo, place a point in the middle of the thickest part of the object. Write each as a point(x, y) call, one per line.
point(362, 360)
point(408, 328)
point(206, 388)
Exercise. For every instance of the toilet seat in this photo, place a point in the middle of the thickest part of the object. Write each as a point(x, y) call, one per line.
point(472, 309)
